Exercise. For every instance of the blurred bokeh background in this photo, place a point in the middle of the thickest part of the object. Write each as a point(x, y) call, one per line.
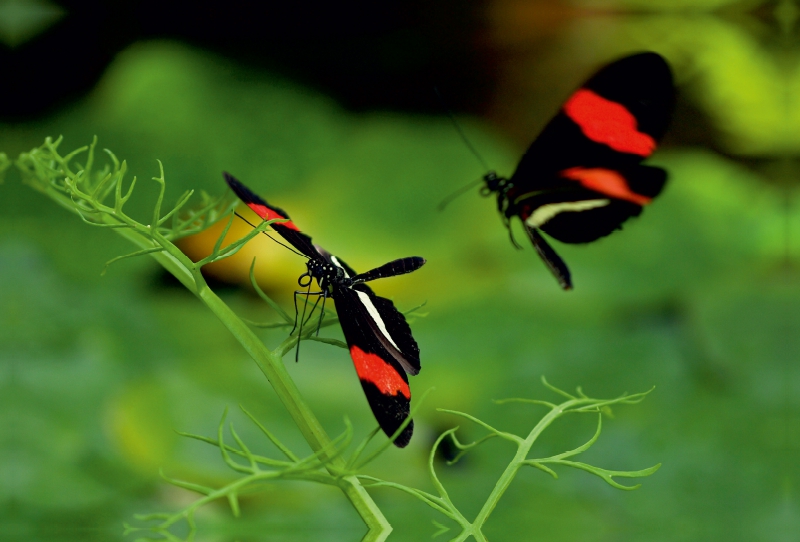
point(328, 110)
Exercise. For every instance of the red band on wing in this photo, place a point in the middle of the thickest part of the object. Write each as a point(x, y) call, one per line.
point(372, 368)
point(605, 181)
point(607, 122)
point(268, 214)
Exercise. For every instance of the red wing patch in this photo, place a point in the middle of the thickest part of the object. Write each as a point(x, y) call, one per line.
point(605, 181)
point(267, 213)
point(609, 123)
point(371, 368)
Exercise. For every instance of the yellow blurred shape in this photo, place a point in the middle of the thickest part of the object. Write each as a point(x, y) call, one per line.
point(276, 270)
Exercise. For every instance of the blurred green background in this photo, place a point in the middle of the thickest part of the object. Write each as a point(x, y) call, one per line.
point(334, 120)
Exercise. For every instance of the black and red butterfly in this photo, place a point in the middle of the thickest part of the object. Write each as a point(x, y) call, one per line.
point(377, 334)
point(583, 177)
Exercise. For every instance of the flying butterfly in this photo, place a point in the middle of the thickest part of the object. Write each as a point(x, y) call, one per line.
point(377, 334)
point(583, 176)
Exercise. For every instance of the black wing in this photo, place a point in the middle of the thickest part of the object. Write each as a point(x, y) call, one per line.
point(613, 121)
point(383, 379)
point(288, 230)
point(591, 152)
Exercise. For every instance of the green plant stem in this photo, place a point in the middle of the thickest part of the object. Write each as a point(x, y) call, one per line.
point(523, 448)
point(275, 371)
point(270, 363)
point(511, 470)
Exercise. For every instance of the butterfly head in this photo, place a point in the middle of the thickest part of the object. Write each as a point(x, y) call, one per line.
point(325, 273)
point(495, 183)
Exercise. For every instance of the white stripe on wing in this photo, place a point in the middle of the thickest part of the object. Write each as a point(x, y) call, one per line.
point(371, 309)
point(546, 212)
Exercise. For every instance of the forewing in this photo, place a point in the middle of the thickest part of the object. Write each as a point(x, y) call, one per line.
point(383, 379)
point(288, 230)
point(613, 121)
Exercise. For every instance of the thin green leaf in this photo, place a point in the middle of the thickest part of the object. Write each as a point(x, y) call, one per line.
point(360, 448)
point(502, 434)
point(437, 503)
point(265, 325)
point(579, 449)
point(233, 500)
point(90, 162)
point(131, 255)
point(162, 187)
point(608, 475)
point(234, 247)
point(536, 464)
point(223, 235)
point(413, 312)
point(633, 399)
point(225, 456)
point(556, 390)
point(464, 448)
point(152, 517)
point(99, 224)
point(278, 444)
point(129, 193)
point(110, 185)
point(260, 459)
point(197, 488)
point(181, 202)
point(334, 342)
point(440, 529)
point(432, 470)
point(523, 400)
point(277, 308)
point(247, 453)
point(118, 186)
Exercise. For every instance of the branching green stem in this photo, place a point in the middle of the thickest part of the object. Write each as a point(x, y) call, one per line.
point(574, 403)
point(82, 191)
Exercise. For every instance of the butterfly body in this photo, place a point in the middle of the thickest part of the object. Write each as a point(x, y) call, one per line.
point(582, 177)
point(378, 337)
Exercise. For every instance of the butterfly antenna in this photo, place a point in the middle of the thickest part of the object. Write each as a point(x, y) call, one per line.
point(271, 237)
point(461, 131)
point(457, 193)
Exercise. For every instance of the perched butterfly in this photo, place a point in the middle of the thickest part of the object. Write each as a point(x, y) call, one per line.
point(583, 177)
point(377, 334)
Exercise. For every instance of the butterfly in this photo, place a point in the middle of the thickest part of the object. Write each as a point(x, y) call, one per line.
point(379, 339)
point(583, 176)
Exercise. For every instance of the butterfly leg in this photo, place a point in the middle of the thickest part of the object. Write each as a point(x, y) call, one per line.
point(322, 311)
point(300, 331)
point(303, 320)
point(507, 224)
point(296, 312)
point(318, 294)
point(552, 260)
